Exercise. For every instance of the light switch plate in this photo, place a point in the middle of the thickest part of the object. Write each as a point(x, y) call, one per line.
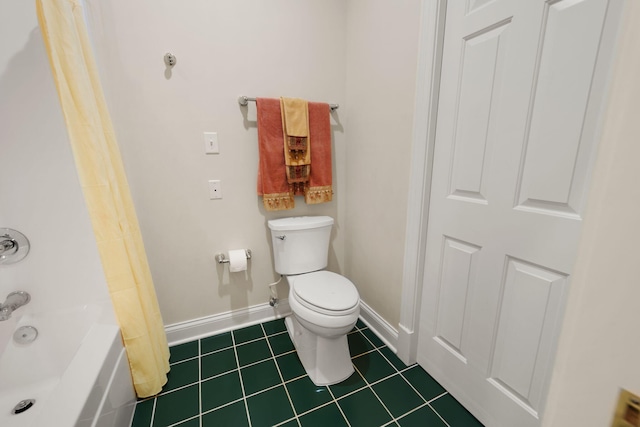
point(211, 143)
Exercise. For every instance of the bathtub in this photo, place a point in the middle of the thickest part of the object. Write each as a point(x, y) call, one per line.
point(75, 370)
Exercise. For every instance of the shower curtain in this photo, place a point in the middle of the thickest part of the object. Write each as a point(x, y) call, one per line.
point(106, 192)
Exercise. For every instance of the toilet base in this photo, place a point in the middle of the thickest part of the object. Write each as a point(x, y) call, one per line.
point(326, 360)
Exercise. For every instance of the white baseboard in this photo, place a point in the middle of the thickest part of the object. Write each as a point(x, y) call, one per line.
point(407, 345)
point(387, 333)
point(190, 330)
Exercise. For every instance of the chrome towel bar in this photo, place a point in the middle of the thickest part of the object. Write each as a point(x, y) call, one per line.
point(244, 101)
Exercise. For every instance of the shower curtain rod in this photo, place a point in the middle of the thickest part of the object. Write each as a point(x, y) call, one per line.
point(244, 100)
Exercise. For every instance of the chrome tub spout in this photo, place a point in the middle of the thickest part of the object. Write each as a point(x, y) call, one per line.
point(14, 301)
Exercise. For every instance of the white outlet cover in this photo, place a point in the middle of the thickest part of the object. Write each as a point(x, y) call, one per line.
point(215, 189)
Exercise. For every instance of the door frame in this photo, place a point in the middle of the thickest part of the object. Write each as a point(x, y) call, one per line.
point(432, 25)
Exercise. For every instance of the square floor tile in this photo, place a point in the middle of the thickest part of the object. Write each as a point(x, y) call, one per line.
point(421, 417)
point(183, 351)
point(328, 415)
point(143, 413)
point(274, 327)
point(220, 390)
point(281, 343)
point(306, 395)
point(363, 409)
point(215, 343)
point(177, 406)
point(360, 324)
point(249, 333)
point(373, 366)
point(269, 408)
point(398, 396)
point(393, 358)
point(182, 374)
point(218, 363)
point(234, 415)
point(423, 382)
point(353, 383)
point(371, 336)
point(290, 366)
point(358, 344)
point(260, 376)
point(454, 413)
point(253, 352)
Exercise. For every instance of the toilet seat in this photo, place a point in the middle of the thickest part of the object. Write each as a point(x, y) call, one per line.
point(326, 292)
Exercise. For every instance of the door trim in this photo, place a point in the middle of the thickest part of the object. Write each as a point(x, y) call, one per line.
point(432, 23)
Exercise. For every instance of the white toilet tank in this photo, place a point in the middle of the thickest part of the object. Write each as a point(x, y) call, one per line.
point(300, 244)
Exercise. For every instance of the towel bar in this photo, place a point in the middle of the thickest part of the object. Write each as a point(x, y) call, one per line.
point(244, 101)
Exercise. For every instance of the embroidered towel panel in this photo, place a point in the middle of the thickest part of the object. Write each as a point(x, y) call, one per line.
point(320, 188)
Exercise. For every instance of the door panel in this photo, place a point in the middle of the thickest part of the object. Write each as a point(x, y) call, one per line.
point(567, 59)
point(514, 146)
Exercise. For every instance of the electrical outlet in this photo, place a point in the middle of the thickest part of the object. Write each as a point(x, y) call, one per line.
point(215, 189)
point(211, 143)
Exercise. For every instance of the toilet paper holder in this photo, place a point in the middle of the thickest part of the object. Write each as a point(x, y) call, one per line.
point(222, 259)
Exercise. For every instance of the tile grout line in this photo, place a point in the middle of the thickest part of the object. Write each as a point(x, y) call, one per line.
point(377, 349)
point(293, 408)
point(338, 404)
point(374, 392)
point(427, 402)
point(422, 405)
point(244, 397)
point(153, 412)
point(434, 409)
point(199, 385)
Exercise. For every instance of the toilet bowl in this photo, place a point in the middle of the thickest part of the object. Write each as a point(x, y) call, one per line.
point(325, 305)
point(322, 317)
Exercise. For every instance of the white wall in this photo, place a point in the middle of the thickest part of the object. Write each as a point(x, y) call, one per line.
point(599, 345)
point(224, 49)
point(39, 190)
point(382, 49)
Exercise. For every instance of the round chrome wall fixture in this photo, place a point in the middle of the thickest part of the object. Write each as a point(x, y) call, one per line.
point(14, 246)
point(25, 335)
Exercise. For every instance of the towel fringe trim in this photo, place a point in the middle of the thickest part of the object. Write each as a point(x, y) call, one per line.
point(278, 201)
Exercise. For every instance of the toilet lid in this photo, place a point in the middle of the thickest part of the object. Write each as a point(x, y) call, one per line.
point(326, 290)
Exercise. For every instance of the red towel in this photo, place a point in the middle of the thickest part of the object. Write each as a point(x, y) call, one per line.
point(320, 186)
point(272, 177)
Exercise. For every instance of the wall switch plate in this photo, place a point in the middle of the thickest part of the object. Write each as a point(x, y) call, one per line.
point(215, 189)
point(211, 143)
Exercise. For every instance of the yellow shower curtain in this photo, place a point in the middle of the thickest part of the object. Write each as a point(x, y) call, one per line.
point(106, 192)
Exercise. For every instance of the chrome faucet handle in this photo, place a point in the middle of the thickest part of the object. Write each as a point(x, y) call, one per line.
point(14, 246)
point(8, 244)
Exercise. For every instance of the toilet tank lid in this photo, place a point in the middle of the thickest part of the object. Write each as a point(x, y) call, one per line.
point(300, 223)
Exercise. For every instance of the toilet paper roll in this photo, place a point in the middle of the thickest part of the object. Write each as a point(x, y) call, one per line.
point(237, 260)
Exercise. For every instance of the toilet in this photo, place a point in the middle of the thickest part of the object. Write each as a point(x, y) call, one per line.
point(325, 305)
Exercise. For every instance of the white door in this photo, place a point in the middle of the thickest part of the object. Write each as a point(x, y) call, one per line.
point(520, 104)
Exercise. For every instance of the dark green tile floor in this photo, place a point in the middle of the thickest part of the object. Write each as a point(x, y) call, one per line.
point(253, 377)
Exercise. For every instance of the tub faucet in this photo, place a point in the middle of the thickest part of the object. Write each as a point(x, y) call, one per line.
point(14, 301)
